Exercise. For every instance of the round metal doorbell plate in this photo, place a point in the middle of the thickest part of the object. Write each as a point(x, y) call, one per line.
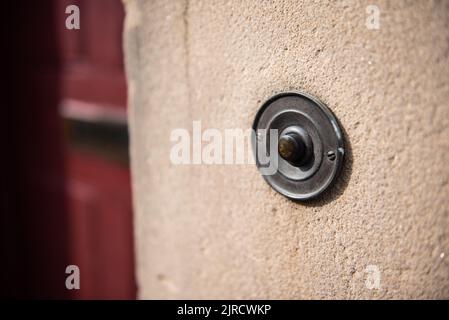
point(310, 146)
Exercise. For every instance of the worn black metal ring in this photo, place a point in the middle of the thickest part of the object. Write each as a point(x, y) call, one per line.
point(299, 115)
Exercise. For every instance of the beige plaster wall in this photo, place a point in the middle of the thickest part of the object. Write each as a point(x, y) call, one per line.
point(220, 231)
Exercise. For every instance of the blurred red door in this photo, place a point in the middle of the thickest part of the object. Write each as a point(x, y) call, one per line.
point(93, 108)
point(65, 191)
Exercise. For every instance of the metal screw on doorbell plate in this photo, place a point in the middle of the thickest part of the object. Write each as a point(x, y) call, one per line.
point(310, 144)
point(331, 155)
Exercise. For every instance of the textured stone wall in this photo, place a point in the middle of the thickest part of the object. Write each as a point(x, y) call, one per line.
point(219, 231)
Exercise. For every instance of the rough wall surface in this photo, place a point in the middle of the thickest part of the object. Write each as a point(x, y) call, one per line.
point(219, 231)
